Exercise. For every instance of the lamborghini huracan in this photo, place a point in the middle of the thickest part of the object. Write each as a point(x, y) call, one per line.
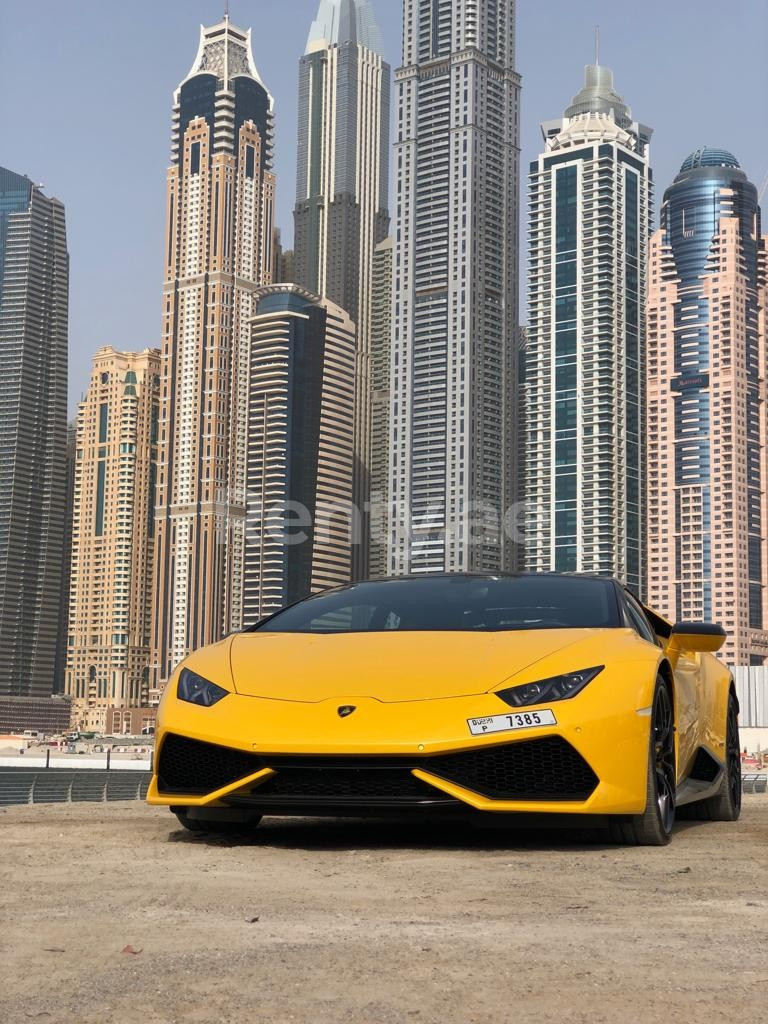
point(523, 695)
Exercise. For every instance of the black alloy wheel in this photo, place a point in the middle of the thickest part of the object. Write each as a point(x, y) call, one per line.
point(733, 757)
point(663, 725)
point(654, 826)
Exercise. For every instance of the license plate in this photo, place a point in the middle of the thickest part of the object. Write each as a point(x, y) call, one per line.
point(507, 723)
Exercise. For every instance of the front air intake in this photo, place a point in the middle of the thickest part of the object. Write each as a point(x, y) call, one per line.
point(192, 767)
point(545, 769)
point(542, 769)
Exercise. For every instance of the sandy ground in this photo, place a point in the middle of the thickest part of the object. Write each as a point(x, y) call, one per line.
point(347, 922)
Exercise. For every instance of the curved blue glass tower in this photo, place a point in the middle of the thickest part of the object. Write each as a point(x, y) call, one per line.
point(709, 186)
point(707, 404)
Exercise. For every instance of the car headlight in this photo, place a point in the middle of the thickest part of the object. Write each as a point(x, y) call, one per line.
point(196, 690)
point(544, 690)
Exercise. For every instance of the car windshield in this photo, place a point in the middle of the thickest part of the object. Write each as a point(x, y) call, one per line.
point(454, 603)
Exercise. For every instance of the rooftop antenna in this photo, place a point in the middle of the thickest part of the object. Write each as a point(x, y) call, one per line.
point(226, 12)
point(597, 45)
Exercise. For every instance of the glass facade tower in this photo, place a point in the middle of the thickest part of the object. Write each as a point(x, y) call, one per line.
point(34, 295)
point(590, 200)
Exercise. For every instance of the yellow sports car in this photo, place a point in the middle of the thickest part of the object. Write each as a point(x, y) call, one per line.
point(529, 694)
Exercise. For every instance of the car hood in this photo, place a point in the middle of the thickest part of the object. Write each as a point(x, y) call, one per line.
point(390, 667)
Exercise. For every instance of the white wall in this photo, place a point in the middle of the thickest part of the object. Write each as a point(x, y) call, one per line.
point(753, 740)
point(752, 691)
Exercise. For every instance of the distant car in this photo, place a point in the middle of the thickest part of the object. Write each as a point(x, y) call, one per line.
point(542, 694)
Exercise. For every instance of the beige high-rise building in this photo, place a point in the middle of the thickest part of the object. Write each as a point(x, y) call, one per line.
point(707, 412)
point(300, 449)
point(219, 238)
point(110, 599)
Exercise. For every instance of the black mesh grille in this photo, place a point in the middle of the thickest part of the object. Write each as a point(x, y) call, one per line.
point(545, 769)
point(189, 766)
point(346, 782)
point(548, 769)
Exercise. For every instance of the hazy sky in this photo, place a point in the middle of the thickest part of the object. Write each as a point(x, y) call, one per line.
point(85, 103)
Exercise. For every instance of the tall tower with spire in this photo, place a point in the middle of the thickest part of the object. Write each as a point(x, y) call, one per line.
point(342, 187)
point(590, 196)
point(219, 234)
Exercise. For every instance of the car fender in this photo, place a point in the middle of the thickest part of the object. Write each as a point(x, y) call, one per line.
point(717, 685)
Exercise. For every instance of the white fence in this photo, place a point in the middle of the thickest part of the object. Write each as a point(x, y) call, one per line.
point(73, 763)
point(752, 691)
point(58, 786)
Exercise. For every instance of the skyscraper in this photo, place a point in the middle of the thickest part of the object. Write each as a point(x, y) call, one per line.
point(300, 448)
point(381, 371)
point(342, 184)
point(707, 411)
point(113, 535)
point(452, 468)
point(590, 206)
point(219, 234)
point(34, 296)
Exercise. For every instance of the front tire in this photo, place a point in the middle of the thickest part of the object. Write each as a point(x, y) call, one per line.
point(654, 826)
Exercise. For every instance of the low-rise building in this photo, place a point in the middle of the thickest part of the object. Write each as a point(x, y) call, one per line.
point(130, 721)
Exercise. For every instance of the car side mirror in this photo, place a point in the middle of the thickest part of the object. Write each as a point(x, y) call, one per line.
point(705, 637)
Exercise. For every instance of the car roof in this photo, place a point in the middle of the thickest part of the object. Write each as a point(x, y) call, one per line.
point(489, 576)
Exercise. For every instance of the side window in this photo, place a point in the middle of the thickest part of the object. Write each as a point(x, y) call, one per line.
point(638, 620)
point(351, 619)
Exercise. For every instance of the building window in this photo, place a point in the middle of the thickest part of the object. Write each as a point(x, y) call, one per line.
point(103, 422)
point(100, 482)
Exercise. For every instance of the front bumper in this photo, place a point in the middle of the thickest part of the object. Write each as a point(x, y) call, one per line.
point(286, 757)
